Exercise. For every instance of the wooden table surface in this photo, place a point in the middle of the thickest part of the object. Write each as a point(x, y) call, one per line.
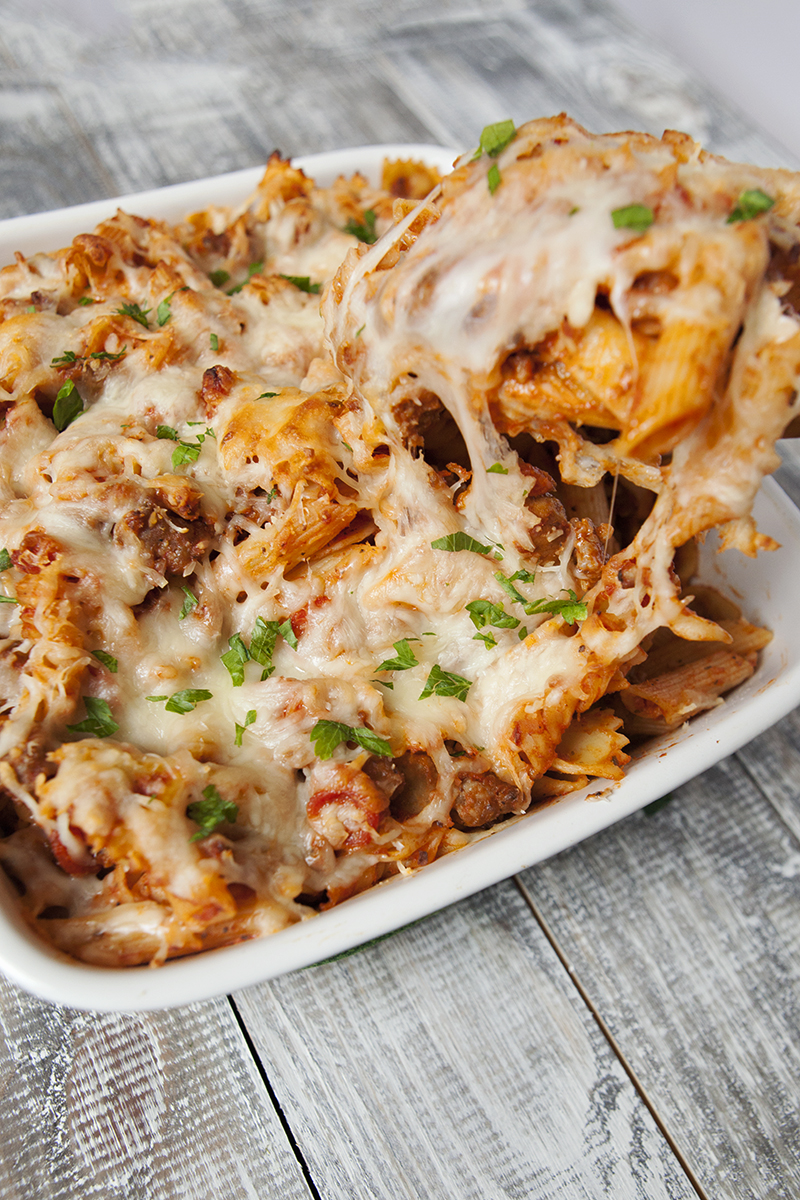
point(623, 1020)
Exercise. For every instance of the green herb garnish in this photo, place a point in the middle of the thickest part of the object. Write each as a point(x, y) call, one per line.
point(107, 660)
point(184, 453)
point(303, 282)
point(403, 661)
point(637, 217)
point(750, 204)
point(570, 610)
point(107, 356)
point(164, 310)
point(5, 560)
point(287, 633)
point(84, 300)
point(135, 313)
point(266, 395)
point(210, 812)
point(445, 683)
point(190, 602)
point(214, 340)
point(497, 469)
point(364, 231)
point(249, 719)
point(67, 407)
point(219, 277)
point(252, 270)
point(493, 179)
point(460, 541)
point(235, 658)
point(495, 138)
point(64, 360)
point(262, 644)
point(167, 432)
point(327, 735)
point(483, 613)
point(8, 600)
point(184, 701)
point(99, 721)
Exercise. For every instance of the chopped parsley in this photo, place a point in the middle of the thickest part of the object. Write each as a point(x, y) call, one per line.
point(487, 637)
point(271, 494)
point(327, 735)
point(66, 359)
point(219, 277)
point(5, 560)
point(364, 231)
point(360, 330)
point(497, 469)
point(253, 269)
point(262, 644)
point(107, 356)
point(304, 283)
point(214, 340)
point(266, 395)
point(483, 613)
point(494, 138)
point(445, 683)
point(637, 217)
point(210, 812)
point(8, 600)
point(750, 204)
point(235, 658)
point(98, 721)
point(184, 701)
point(107, 660)
point(190, 602)
point(84, 300)
point(460, 541)
point(164, 310)
point(248, 720)
point(67, 407)
point(287, 633)
point(135, 313)
point(493, 179)
point(167, 432)
point(572, 609)
point(403, 660)
point(184, 452)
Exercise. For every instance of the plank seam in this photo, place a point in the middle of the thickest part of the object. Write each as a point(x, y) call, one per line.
point(287, 1129)
point(790, 832)
point(612, 1041)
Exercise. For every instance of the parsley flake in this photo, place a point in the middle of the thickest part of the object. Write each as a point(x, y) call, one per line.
point(460, 541)
point(249, 719)
point(445, 683)
point(266, 395)
point(5, 560)
point(637, 217)
point(210, 812)
point(364, 231)
point(214, 340)
point(495, 138)
point(166, 431)
point(98, 721)
point(107, 660)
point(189, 603)
point(493, 179)
point(483, 613)
point(67, 407)
point(271, 494)
point(287, 633)
point(253, 269)
point(184, 453)
point(360, 330)
point(85, 300)
point(64, 360)
point(497, 469)
point(8, 600)
point(164, 310)
point(107, 356)
point(187, 700)
point(750, 204)
point(327, 735)
point(235, 658)
point(487, 637)
point(403, 660)
point(135, 313)
point(570, 610)
point(219, 277)
point(303, 282)
point(262, 644)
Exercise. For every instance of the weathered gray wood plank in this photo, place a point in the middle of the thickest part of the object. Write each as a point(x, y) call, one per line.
point(135, 1107)
point(455, 1059)
point(684, 930)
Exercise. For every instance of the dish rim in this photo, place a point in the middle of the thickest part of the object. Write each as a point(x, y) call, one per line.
point(507, 849)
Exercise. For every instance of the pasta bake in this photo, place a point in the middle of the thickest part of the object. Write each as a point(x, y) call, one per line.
point(342, 527)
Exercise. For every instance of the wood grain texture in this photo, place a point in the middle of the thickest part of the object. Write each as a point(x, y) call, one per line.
point(455, 1059)
point(167, 1105)
point(684, 928)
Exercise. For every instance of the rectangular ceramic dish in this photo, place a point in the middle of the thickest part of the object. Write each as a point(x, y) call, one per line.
point(761, 587)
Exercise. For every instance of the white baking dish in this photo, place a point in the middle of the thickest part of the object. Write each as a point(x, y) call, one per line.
point(762, 587)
